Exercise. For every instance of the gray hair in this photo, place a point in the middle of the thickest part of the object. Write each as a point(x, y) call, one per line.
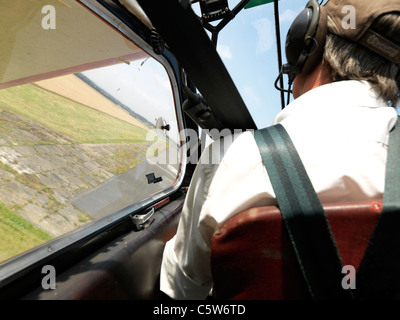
point(349, 61)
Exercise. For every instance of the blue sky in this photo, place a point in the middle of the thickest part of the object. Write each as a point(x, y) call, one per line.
point(247, 45)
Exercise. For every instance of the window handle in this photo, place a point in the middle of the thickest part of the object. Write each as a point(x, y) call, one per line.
point(142, 221)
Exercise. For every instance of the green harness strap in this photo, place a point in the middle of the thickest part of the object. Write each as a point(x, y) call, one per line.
point(302, 214)
point(378, 276)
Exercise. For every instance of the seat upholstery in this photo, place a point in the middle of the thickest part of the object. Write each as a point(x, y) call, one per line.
point(252, 257)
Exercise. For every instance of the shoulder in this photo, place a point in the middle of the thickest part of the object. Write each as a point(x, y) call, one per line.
point(229, 148)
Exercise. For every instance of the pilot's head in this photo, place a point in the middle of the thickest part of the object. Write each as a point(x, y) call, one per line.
point(354, 39)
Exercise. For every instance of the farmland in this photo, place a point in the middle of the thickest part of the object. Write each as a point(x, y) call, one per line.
point(53, 147)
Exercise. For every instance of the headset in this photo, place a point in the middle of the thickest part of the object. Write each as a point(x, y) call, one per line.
point(305, 42)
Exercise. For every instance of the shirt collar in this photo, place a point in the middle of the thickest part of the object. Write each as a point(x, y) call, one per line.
point(338, 95)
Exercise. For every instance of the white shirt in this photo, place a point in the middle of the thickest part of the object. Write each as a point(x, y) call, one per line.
point(340, 131)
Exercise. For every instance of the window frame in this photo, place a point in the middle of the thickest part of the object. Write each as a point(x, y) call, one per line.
point(75, 242)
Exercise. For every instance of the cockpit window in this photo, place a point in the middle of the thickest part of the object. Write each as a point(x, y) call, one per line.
point(79, 105)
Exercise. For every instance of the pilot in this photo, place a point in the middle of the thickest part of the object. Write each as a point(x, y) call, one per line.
point(345, 89)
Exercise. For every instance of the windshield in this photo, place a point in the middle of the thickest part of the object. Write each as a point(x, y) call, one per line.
point(247, 45)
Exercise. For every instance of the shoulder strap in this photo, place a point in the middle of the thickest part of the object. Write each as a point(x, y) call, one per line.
point(378, 275)
point(303, 215)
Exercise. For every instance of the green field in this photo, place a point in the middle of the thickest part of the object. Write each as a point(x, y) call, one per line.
point(69, 118)
point(74, 122)
point(17, 235)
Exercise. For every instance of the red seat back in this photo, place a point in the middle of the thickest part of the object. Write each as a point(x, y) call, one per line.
point(252, 257)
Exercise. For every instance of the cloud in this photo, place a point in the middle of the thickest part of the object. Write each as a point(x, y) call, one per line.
point(163, 81)
point(265, 34)
point(251, 98)
point(288, 16)
point(224, 51)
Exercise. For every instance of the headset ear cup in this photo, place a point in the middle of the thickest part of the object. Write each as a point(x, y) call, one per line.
point(295, 46)
point(317, 49)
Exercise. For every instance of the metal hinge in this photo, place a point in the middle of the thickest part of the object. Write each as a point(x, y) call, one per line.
point(142, 221)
